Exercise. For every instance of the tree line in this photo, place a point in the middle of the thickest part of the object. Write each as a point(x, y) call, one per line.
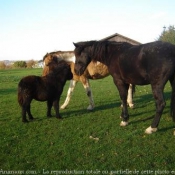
point(18, 64)
point(167, 35)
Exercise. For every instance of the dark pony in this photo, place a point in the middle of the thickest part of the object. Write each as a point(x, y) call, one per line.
point(47, 88)
point(151, 63)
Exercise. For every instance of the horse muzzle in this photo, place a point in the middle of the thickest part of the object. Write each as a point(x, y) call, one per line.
point(79, 69)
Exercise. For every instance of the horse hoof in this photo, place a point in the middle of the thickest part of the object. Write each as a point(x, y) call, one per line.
point(62, 107)
point(131, 106)
point(60, 118)
point(31, 119)
point(25, 121)
point(123, 123)
point(90, 108)
point(150, 130)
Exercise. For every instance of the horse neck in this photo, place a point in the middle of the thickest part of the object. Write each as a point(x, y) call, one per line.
point(98, 54)
point(102, 53)
point(66, 56)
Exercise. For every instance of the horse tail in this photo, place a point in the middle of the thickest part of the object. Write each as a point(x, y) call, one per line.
point(133, 89)
point(20, 97)
point(20, 94)
point(172, 107)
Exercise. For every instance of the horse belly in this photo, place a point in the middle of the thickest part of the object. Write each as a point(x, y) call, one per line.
point(138, 81)
point(41, 96)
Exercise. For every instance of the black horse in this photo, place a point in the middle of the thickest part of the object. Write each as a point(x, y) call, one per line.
point(151, 63)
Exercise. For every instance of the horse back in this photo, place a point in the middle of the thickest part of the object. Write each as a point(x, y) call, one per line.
point(35, 87)
point(140, 64)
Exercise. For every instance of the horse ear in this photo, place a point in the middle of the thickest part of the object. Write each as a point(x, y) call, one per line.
point(75, 44)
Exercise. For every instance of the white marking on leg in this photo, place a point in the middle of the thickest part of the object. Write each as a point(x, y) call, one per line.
point(90, 95)
point(123, 123)
point(129, 98)
point(69, 93)
point(150, 130)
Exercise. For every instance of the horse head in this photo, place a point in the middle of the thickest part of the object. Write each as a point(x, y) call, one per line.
point(51, 57)
point(82, 55)
point(61, 70)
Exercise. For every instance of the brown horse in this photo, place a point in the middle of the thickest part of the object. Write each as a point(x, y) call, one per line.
point(95, 70)
point(152, 63)
point(47, 88)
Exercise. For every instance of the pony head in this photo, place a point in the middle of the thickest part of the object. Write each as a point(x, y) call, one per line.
point(50, 57)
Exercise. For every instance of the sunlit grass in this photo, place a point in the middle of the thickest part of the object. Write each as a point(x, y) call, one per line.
point(84, 141)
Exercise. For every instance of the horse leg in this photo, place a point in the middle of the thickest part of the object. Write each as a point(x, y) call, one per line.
point(130, 96)
point(86, 86)
point(123, 91)
point(24, 114)
point(160, 104)
point(49, 106)
point(69, 93)
point(56, 107)
point(29, 113)
point(26, 109)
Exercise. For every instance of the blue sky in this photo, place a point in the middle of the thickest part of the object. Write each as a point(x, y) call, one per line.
point(31, 28)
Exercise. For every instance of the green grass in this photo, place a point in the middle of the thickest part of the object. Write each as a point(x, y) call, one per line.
point(84, 142)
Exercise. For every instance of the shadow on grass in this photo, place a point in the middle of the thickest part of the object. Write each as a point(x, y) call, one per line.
point(166, 129)
point(143, 99)
point(8, 91)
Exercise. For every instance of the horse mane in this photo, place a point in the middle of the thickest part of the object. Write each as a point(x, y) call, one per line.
point(61, 54)
point(60, 67)
point(52, 68)
point(99, 49)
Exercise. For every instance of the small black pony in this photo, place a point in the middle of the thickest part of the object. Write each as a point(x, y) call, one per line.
point(47, 88)
point(151, 63)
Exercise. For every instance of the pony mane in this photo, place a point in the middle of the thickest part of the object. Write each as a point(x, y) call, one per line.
point(57, 68)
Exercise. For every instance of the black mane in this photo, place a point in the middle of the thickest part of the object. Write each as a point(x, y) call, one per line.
point(99, 49)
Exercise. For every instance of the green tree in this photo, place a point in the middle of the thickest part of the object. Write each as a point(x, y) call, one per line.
point(168, 35)
point(20, 64)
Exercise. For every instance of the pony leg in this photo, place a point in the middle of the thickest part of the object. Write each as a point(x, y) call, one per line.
point(29, 113)
point(56, 107)
point(24, 114)
point(160, 104)
point(86, 86)
point(49, 106)
point(130, 96)
point(69, 93)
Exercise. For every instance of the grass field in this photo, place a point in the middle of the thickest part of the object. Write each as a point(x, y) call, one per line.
point(84, 142)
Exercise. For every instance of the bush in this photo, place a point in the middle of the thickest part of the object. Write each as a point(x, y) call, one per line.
point(168, 35)
point(20, 64)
